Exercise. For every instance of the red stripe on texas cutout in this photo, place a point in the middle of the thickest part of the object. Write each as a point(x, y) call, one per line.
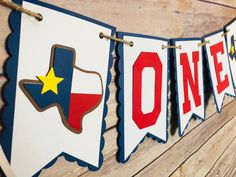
point(80, 104)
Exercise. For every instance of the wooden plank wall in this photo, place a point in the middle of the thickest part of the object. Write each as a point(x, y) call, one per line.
point(206, 149)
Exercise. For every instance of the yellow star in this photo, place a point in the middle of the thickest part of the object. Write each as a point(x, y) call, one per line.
point(232, 50)
point(50, 82)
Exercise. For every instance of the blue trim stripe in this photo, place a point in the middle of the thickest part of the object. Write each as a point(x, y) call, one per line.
point(9, 89)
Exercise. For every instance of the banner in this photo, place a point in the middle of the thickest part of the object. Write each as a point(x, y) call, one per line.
point(231, 46)
point(143, 95)
point(58, 77)
point(56, 94)
point(217, 57)
point(189, 80)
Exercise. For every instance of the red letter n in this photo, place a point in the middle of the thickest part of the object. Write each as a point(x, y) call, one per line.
point(188, 80)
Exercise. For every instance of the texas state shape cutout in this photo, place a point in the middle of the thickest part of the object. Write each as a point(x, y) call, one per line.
point(64, 86)
point(232, 53)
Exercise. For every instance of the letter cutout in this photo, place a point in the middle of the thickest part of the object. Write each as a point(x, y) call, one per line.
point(143, 94)
point(146, 60)
point(218, 62)
point(231, 48)
point(47, 116)
point(189, 80)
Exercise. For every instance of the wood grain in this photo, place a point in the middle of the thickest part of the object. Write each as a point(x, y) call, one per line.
point(149, 149)
point(232, 170)
point(225, 163)
point(146, 153)
point(213, 148)
point(227, 3)
point(164, 18)
point(189, 144)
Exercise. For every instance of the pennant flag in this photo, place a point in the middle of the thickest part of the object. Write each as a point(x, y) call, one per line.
point(217, 57)
point(73, 90)
point(143, 92)
point(231, 46)
point(57, 91)
point(189, 80)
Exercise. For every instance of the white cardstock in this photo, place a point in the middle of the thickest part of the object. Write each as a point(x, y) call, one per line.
point(131, 133)
point(231, 46)
point(221, 62)
point(188, 47)
point(38, 137)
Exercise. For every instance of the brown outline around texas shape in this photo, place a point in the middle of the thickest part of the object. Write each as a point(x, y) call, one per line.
point(21, 84)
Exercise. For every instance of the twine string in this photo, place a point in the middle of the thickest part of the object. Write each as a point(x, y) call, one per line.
point(203, 43)
point(102, 35)
point(171, 47)
point(18, 7)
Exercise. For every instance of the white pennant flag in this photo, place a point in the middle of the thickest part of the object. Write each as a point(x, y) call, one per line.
point(57, 91)
point(144, 91)
point(217, 57)
point(231, 46)
point(189, 79)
